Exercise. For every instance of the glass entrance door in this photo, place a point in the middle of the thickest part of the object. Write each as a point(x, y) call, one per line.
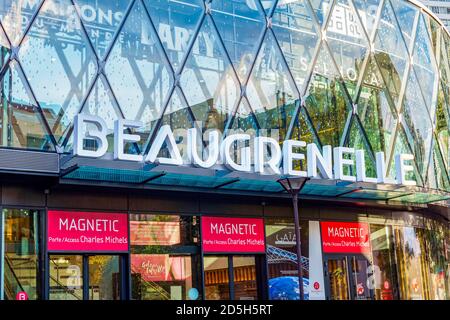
point(85, 277)
point(231, 277)
point(348, 278)
point(337, 273)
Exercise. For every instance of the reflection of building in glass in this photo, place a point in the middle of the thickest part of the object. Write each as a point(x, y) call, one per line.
point(441, 8)
point(371, 75)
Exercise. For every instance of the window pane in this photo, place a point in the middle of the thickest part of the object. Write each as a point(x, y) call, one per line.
point(165, 260)
point(383, 262)
point(104, 278)
point(244, 275)
point(66, 277)
point(216, 278)
point(408, 250)
point(21, 253)
point(163, 230)
point(282, 258)
point(337, 269)
point(164, 276)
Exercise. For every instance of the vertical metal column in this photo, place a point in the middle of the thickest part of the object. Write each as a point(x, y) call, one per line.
point(2, 250)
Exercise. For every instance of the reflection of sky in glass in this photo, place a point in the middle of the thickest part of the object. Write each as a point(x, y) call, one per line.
point(224, 54)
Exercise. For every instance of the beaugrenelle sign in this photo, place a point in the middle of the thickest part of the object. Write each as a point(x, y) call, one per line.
point(330, 163)
point(345, 237)
point(87, 231)
point(233, 235)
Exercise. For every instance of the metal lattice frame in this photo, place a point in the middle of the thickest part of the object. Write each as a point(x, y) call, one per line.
point(208, 14)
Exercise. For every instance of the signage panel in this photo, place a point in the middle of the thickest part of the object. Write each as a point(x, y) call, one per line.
point(233, 235)
point(345, 237)
point(87, 231)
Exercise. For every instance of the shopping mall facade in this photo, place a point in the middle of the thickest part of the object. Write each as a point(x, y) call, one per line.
point(142, 142)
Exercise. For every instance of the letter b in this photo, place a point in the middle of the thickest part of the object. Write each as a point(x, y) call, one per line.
point(98, 134)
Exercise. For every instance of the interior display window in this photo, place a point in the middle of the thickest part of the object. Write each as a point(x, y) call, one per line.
point(282, 258)
point(66, 277)
point(384, 280)
point(410, 256)
point(165, 260)
point(20, 256)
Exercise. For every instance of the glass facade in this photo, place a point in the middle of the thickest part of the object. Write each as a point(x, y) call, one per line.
point(373, 75)
point(165, 257)
point(408, 260)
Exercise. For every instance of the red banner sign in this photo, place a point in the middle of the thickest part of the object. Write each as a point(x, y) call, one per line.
point(345, 237)
point(87, 231)
point(233, 235)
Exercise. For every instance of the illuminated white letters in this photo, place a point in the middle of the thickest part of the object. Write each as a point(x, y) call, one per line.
point(120, 137)
point(289, 156)
point(165, 134)
point(260, 151)
point(315, 159)
point(361, 168)
point(401, 168)
point(234, 152)
point(340, 161)
point(192, 152)
point(98, 134)
point(226, 157)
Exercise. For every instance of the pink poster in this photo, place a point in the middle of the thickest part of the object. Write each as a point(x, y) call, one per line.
point(87, 231)
point(233, 235)
point(159, 267)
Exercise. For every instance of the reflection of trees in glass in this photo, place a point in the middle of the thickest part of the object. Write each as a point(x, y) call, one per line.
point(327, 107)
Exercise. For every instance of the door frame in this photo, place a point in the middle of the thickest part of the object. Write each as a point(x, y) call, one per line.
point(350, 281)
point(123, 271)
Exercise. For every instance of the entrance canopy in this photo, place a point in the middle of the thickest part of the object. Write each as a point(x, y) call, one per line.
point(121, 173)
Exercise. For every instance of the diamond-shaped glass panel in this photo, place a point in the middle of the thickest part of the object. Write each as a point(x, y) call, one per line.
point(101, 103)
point(4, 49)
point(102, 18)
point(244, 121)
point(302, 130)
point(178, 117)
point(424, 65)
point(417, 124)
point(16, 15)
point(176, 23)
point(346, 40)
point(326, 100)
point(437, 174)
point(390, 51)
point(271, 90)
point(298, 37)
point(357, 140)
point(435, 34)
point(406, 15)
point(367, 11)
point(374, 109)
point(401, 146)
point(21, 123)
point(442, 125)
point(208, 81)
point(137, 71)
point(59, 63)
point(266, 4)
point(241, 41)
point(321, 8)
